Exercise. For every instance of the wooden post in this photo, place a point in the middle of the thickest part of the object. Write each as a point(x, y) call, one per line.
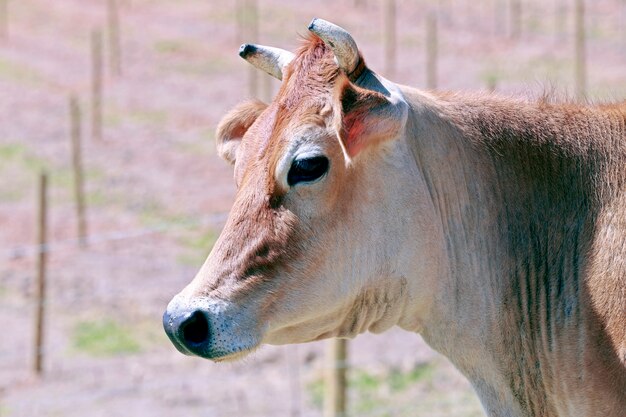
point(75, 134)
point(390, 37)
point(621, 22)
point(41, 274)
point(4, 19)
point(336, 382)
point(115, 46)
point(431, 51)
point(580, 58)
point(252, 23)
point(96, 85)
point(293, 363)
point(560, 15)
point(492, 83)
point(515, 18)
point(499, 13)
point(267, 87)
point(240, 10)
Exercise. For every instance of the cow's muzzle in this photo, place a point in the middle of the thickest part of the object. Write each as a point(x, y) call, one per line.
point(212, 329)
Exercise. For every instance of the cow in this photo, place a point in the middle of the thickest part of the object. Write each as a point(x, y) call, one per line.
point(493, 226)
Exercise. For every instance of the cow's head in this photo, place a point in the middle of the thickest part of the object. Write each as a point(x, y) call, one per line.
point(329, 227)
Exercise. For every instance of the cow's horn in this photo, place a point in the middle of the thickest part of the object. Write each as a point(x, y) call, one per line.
point(266, 58)
point(340, 41)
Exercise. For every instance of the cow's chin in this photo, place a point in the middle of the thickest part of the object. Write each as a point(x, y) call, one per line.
point(235, 356)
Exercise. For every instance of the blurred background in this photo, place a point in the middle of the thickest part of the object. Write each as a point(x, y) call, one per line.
point(117, 102)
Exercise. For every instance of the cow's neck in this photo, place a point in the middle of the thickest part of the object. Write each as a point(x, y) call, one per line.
point(516, 215)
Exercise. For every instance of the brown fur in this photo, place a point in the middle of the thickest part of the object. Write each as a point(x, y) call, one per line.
point(556, 175)
point(532, 200)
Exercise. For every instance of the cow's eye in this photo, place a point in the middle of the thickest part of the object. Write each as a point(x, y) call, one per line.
point(307, 169)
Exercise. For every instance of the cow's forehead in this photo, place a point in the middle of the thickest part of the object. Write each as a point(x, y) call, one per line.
point(273, 134)
point(310, 75)
point(304, 95)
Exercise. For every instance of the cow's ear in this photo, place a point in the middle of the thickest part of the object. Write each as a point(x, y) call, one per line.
point(367, 117)
point(234, 125)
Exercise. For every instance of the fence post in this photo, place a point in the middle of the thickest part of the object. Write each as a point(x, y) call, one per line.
point(293, 362)
point(560, 16)
point(492, 83)
point(499, 13)
point(75, 136)
point(4, 19)
point(580, 58)
point(41, 273)
point(251, 21)
point(240, 6)
point(515, 18)
point(267, 87)
point(115, 46)
point(96, 85)
point(336, 382)
point(621, 22)
point(431, 51)
point(390, 37)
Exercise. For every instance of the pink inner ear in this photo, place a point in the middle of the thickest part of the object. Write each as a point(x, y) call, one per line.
point(355, 128)
point(361, 124)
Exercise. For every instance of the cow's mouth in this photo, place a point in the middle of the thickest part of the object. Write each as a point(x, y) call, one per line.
point(235, 356)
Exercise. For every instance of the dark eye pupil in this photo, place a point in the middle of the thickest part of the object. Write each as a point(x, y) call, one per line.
point(307, 169)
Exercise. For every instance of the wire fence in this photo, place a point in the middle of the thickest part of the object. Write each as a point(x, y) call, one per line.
point(304, 377)
point(25, 250)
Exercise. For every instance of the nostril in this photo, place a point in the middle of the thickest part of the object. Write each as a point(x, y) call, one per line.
point(195, 329)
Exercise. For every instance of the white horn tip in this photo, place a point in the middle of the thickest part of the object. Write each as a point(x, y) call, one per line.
point(340, 41)
point(319, 26)
point(312, 24)
point(266, 58)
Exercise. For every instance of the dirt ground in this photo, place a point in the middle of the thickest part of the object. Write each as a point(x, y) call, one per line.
point(158, 194)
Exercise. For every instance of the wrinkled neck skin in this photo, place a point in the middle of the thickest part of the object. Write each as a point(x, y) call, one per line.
point(445, 300)
point(462, 320)
point(508, 312)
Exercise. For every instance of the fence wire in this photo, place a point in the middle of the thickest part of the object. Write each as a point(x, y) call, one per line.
point(25, 250)
point(302, 374)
